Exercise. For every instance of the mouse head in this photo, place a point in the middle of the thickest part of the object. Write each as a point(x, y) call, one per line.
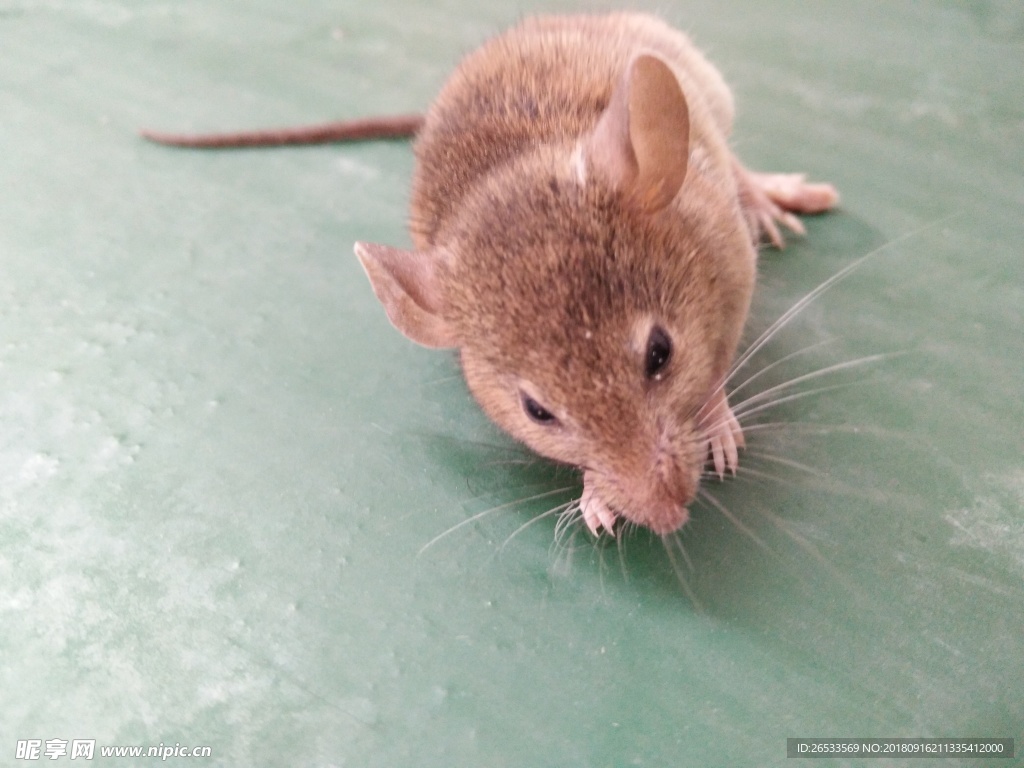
point(596, 292)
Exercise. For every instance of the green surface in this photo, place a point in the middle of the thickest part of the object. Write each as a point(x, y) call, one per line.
point(219, 465)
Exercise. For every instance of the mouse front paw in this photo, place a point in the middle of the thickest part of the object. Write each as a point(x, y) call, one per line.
point(596, 514)
point(769, 199)
point(724, 434)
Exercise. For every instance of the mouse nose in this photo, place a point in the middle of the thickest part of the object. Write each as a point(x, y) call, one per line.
point(667, 500)
point(668, 519)
point(669, 489)
point(659, 499)
point(654, 479)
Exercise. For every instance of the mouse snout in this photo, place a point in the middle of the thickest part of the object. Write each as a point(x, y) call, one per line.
point(667, 496)
point(667, 520)
point(657, 494)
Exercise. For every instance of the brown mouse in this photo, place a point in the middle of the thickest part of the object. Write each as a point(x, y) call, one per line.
point(585, 237)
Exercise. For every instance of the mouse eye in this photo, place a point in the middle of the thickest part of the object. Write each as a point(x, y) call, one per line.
point(537, 412)
point(659, 350)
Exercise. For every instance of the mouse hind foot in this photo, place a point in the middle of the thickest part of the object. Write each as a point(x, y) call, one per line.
point(770, 199)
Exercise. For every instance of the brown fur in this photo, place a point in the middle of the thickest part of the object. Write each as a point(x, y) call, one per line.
point(552, 233)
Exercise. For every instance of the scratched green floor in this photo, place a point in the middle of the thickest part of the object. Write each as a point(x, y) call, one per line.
point(220, 467)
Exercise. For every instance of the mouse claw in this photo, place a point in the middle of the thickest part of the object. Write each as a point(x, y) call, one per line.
point(724, 435)
point(596, 514)
point(770, 198)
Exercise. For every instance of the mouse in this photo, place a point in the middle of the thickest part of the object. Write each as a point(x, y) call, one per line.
point(587, 241)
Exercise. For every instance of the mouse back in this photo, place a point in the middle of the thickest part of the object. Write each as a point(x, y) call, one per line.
point(548, 80)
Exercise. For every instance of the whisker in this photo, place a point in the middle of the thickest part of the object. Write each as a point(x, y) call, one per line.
point(742, 527)
point(564, 523)
point(797, 396)
point(553, 511)
point(780, 361)
point(827, 428)
point(559, 549)
point(742, 410)
point(809, 426)
point(481, 515)
point(443, 379)
point(668, 541)
point(738, 407)
point(620, 546)
point(750, 474)
point(810, 297)
point(841, 579)
point(800, 541)
point(525, 461)
point(682, 551)
point(768, 456)
point(567, 528)
point(479, 496)
point(801, 304)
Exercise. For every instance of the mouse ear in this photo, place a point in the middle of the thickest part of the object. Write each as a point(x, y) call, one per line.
point(406, 284)
point(642, 140)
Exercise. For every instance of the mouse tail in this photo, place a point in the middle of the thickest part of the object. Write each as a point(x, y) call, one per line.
point(366, 129)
